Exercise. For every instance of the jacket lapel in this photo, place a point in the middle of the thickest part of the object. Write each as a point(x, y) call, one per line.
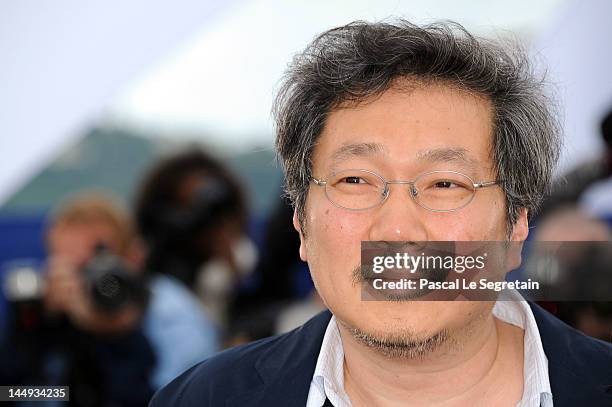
point(286, 369)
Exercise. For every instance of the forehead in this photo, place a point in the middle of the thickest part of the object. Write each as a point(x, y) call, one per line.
point(410, 127)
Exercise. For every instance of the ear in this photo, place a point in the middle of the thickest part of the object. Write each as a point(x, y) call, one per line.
point(298, 228)
point(520, 231)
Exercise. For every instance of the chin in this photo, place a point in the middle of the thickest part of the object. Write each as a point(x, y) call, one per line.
point(419, 318)
point(397, 339)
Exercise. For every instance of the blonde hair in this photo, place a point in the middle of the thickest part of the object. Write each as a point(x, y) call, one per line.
point(95, 208)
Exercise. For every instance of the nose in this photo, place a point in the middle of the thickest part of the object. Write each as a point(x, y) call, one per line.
point(398, 218)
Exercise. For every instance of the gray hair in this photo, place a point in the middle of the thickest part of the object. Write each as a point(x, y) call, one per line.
point(352, 63)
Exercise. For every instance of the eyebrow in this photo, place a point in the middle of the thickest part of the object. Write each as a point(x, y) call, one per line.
point(357, 150)
point(444, 154)
point(448, 154)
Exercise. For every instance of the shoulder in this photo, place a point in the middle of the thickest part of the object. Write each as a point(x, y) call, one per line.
point(168, 292)
point(172, 303)
point(216, 377)
point(587, 353)
point(560, 338)
point(173, 310)
point(243, 368)
point(576, 361)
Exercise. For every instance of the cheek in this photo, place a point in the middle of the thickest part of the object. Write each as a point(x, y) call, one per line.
point(330, 227)
point(333, 247)
point(484, 220)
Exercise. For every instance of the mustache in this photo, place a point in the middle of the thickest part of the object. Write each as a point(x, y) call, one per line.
point(360, 275)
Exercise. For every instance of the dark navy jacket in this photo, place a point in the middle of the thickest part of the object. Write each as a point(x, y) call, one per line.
point(277, 371)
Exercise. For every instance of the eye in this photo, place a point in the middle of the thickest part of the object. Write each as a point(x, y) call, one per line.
point(353, 180)
point(444, 184)
point(447, 184)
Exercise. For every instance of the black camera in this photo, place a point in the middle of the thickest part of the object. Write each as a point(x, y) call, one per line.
point(111, 284)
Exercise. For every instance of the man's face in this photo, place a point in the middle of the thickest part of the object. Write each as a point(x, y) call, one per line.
point(426, 128)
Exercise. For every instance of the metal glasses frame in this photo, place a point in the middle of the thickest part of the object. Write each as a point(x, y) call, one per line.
point(413, 191)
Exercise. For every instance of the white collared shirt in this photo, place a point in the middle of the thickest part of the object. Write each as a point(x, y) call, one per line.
point(328, 378)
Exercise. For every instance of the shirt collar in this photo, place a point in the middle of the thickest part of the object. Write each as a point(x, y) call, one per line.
point(513, 309)
point(329, 372)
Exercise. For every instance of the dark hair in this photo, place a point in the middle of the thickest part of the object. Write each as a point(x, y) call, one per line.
point(606, 129)
point(355, 62)
point(157, 199)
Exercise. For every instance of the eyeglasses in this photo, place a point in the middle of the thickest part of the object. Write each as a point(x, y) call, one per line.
point(436, 191)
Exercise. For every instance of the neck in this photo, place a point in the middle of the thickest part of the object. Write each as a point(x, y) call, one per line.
point(468, 366)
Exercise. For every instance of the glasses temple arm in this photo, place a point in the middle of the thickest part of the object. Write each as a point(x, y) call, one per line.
point(319, 182)
point(487, 184)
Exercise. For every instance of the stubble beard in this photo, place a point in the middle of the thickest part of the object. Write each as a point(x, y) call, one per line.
point(407, 344)
point(403, 344)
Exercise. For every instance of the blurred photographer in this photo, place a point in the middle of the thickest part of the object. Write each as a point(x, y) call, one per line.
point(192, 215)
point(82, 328)
point(83, 229)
